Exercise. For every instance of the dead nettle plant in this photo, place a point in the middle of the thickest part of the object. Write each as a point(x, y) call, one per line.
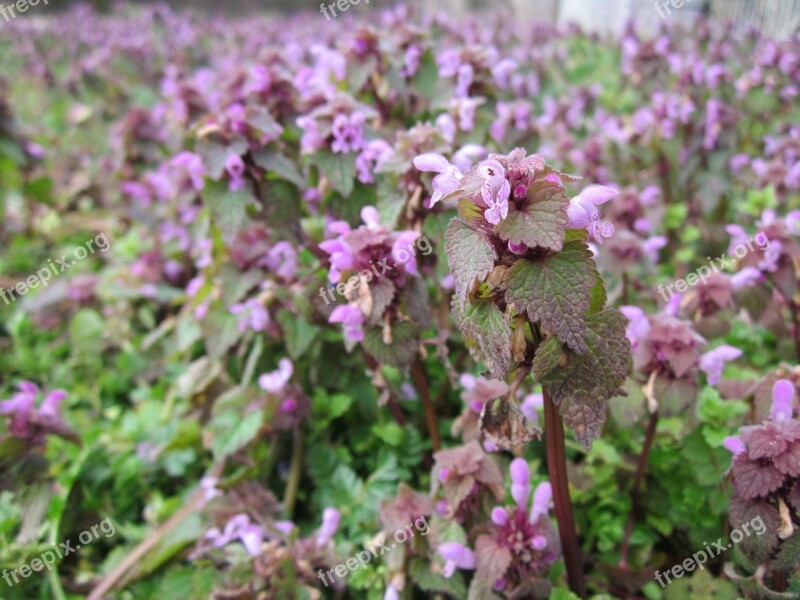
point(529, 300)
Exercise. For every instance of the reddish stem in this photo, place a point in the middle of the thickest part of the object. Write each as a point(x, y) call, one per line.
point(637, 483)
point(557, 471)
point(421, 381)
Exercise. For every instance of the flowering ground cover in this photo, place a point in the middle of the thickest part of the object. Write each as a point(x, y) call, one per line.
point(397, 305)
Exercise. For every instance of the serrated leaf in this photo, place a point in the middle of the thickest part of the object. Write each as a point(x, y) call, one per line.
point(599, 296)
point(585, 414)
point(402, 350)
point(541, 223)
point(556, 291)
point(339, 169)
point(788, 557)
point(275, 162)
point(429, 581)
point(470, 256)
point(417, 302)
point(231, 431)
point(491, 558)
point(228, 207)
point(755, 479)
point(600, 371)
point(489, 328)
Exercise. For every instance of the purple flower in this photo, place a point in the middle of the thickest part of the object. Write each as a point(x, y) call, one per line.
point(275, 381)
point(782, 400)
point(238, 527)
point(542, 501)
point(193, 166)
point(330, 523)
point(530, 407)
point(374, 155)
point(520, 481)
point(449, 176)
point(252, 314)
point(445, 123)
point(403, 251)
point(464, 158)
point(352, 318)
point(582, 211)
point(312, 139)
point(348, 132)
point(639, 325)
point(456, 556)
point(734, 444)
point(391, 593)
point(745, 278)
point(30, 423)
point(282, 260)
point(494, 191)
point(499, 515)
point(713, 361)
point(652, 245)
point(234, 165)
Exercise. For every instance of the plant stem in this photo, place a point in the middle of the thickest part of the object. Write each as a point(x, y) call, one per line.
point(421, 381)
point(290, 495)
point(557, 471)
point(637, 483)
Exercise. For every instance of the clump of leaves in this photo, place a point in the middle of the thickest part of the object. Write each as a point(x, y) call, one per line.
point(527, 290)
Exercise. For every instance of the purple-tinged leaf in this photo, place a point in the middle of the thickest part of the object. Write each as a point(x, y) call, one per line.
point(543, 220)
point(556, 291)
point(470, 255)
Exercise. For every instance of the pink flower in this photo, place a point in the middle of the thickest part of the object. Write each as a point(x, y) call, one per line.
point(713, 361)
point(521, 481)
point(457, 556)
point(330, 523)
point(449, 176)
point(782, 400)
point(583, 213)
point(734, 444)
point(275, 381)
point(495, 190)
point(352, 318)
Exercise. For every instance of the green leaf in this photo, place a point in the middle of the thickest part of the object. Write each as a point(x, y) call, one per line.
point(298, 333)
point(470, 256)
point(556, 291)
point(339, 169)
point(600, 372)
point(489, 328)
point(402, 350)
point(541, 223)
point(427, 580)
point(599, 296)
point(275, 162)
point(231, 430)
point(788, 557)
point(228, 208)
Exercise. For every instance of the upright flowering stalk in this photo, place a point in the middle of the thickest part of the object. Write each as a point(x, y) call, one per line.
point(518, 548)
point(528, 294)
point(766, 490)
point(376, 274)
